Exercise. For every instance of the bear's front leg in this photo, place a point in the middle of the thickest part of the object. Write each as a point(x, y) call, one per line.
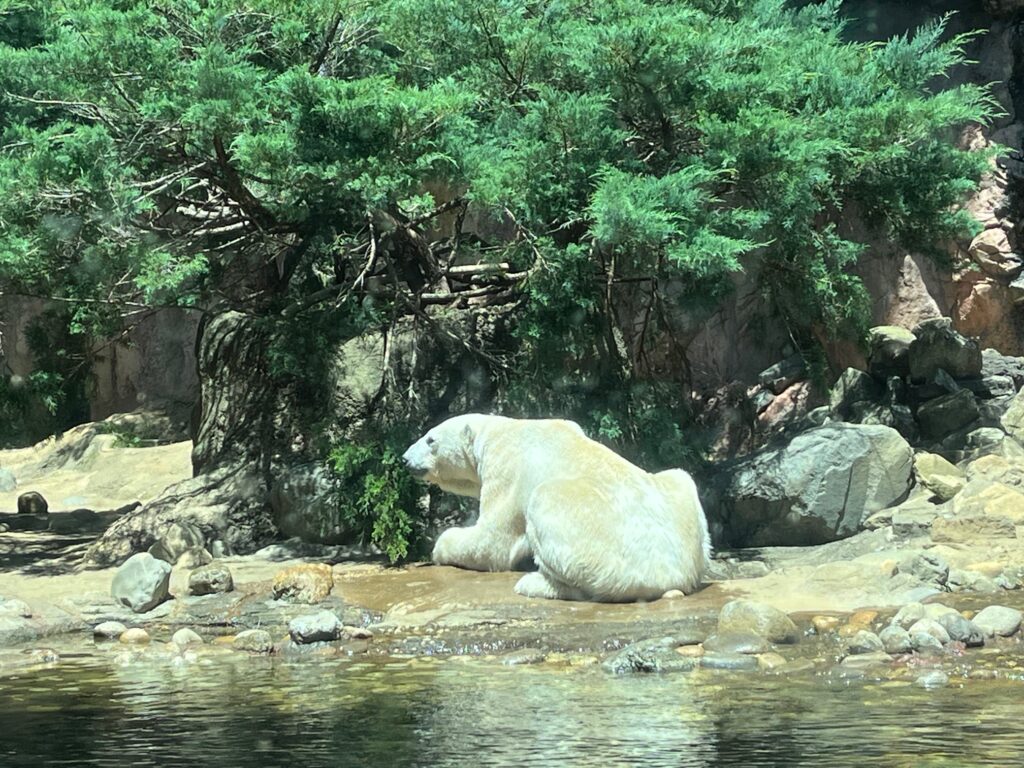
point(480, 548)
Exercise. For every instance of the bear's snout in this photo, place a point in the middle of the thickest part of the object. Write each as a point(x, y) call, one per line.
point(413, 462)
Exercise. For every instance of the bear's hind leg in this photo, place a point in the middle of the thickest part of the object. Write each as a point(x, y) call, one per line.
point(480, 548)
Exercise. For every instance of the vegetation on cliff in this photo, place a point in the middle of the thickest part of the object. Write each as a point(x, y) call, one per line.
point(588, 167)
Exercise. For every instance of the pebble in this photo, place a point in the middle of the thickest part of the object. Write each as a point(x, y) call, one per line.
point(908, 615)
point(673, 594)
point(936, 678)
point(823, 624)
point(895, 639)
point(185, 637)
point(108, 630)
point(924, 642)
point(357, 633)
point(930, 627)
point(864, 642)
point(254, 641)
point(318, 627)
point(134, 636)
point(770, 661)
point(858, 622)
point(691, 651)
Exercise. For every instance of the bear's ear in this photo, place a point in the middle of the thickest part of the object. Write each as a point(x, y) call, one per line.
point(467, 433)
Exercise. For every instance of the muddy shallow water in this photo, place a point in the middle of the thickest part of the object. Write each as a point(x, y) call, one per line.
point(217, 707)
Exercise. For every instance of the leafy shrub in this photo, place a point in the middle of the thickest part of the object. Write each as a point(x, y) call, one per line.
point(377, 497)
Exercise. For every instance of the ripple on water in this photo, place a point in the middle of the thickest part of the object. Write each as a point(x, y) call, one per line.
point(250, 711)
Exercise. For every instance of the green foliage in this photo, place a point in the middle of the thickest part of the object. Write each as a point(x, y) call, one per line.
point(264, 153)
point(377, 496)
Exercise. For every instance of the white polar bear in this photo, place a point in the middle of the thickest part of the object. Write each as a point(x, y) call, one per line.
point(598, 527)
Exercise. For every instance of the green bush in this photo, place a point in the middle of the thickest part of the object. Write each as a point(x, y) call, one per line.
point(377, 497)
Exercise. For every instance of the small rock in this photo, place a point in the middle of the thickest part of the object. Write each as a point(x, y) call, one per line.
point(522, 656)
point(937, 610)
point(185, 637)
point(307, 583)
point(649, 656)
point(930, 627)
point(179, 538)
point(924, 642)
point(134, 636)
point(863, 660)
point(254, 641)
point(141, 583)
point(961, 630)
point(935, 678)
point(999, 620)
point(768, 662)
point(784, 373)
point(357, 633)
point(193, 558)
point(939, 476)
point(316, 627)
point(728, 661)
point(108, 630)
point(969, 581)
point(864, 642)
point(673, 594)
point(946, 414)
point(824, 624)
point(853, 386)
point(691, 651)
point(219, 549)
point(737, 642)
point(895, 639)
point(210, 579)
point(15, 607)
point(32, 503)
point(907, 615)
point(759, 618)
point(858, 621)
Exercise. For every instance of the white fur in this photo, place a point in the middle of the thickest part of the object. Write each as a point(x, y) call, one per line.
point(598, 527)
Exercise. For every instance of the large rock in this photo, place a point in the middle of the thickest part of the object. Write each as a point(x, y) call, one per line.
point(984, 497)
point(179, 538)
point(946, 414)
point(937, 345)
point(853, 386)
point(994, 363)
point(305, 504)
point(992, 251)
point(783, 374)
point(141, 583)
point(999, 620)
point(818, 488)
point(980, 529)
point(889, 350)
point(748, 616)
point(1013, 419)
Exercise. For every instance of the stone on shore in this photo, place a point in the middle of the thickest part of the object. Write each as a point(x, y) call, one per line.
point(747, 616)
point(108, 630)
point(32, 503)
point(134, 636)
point(308, 583)
point(999, 620)
point(185, 637)
point(210, 579)
point(895, 639)
point(930, 627)
point(864, 642)
point(254, 641)
point(322, 626)
point(142, 582)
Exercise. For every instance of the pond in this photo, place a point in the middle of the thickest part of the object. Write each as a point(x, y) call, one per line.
point(113, 707)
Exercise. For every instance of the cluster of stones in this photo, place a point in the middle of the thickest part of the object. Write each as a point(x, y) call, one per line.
point(141, 584)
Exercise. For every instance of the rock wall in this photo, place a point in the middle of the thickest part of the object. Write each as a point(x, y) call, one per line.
point(153, 365)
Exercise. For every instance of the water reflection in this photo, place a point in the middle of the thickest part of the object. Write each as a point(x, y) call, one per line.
point(226, 709)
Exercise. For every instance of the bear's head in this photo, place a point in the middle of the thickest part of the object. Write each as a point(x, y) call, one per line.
point(445, 456)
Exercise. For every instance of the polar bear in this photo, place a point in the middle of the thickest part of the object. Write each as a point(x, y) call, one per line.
point(598, 527)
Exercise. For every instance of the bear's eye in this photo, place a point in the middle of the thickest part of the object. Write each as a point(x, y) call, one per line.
point(430, 440)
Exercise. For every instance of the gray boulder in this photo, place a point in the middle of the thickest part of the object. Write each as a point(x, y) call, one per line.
point(888, 351)
point(946, 414)
point(853, 386)
point(994, 363)
point(321, 626)
point(740, 617)
point(210, 579)
point(864, 642)
point(929, 627)
point(961, 630)
point(818, 488)
point(895, 639)
point(999, 620)
point(141, 583)
point(784, 373)
point(937, 345)
point(254, 641)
